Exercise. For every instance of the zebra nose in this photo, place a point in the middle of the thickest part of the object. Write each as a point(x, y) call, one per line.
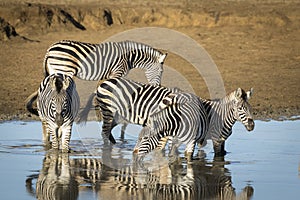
point(136, 151)
point(250, 125)
point(59, 119)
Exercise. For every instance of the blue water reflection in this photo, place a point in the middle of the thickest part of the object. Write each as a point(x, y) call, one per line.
point(263, 164)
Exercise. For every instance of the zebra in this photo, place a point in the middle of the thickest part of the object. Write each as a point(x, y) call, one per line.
point(219, 115)
point(184, 120)
point(223, 113)
point(55, 179)
point(58, 105)
point(126, 101)
point(101, 61)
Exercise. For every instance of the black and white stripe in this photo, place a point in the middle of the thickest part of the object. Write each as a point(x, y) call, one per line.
point(105, 60)
point(58, 105)
point(219, 117)
point(101, 61)
point(126, 101)
point(184, 120)
point(223, 113)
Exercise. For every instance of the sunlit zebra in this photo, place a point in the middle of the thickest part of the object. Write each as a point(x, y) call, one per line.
point(223, 113)
point(105, 60)
point(218, 116)
point(126, 101)
point(184, 120)
point(102, 61)
point(58, 105)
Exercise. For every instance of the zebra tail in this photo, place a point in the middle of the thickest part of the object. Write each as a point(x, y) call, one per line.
point(29, 101)
point(83, 115)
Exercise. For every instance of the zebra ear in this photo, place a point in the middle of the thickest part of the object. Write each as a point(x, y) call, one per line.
point(249, 93)
point(162, 58)
point(66, 83)
point(238, 93)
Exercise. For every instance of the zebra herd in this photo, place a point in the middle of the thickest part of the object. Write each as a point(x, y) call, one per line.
point(167, 114)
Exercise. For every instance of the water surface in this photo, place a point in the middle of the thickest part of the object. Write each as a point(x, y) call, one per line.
point(263, 164)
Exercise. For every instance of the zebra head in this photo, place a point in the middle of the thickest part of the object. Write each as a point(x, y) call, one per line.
point(146, 142)
point(243, 110)
point(62, 93)
point(154, 67)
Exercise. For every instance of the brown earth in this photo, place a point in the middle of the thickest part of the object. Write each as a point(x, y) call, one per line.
point(253, 43)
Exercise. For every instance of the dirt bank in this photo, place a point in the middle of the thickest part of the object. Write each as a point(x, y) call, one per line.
point(253, 44)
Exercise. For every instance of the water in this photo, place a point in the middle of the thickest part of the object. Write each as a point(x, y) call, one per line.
point(263, 164)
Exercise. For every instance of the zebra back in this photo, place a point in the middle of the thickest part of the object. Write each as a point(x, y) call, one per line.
point(102, 61)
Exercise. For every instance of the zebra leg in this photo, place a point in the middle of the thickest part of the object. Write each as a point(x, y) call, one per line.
point(219, 148)
point(123, 128)
point(46, 135)
point(189, 151)
point(54, 136)
point(65, 138)
point(106, 130)
point(173, 154)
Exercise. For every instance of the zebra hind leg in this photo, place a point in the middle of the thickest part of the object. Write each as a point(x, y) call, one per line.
point(108, 124)
point(189, 151)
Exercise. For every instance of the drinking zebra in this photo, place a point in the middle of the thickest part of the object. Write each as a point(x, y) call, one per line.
point(218, 115)
point(58, 105)
point(184, 120)
point(126, 101)
point(102, 61)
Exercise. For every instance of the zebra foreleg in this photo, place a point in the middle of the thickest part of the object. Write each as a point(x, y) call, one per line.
point(46, 135)
point(65, 138)
point(123, 128)
point(219, 148)
point(54, 138)
point(174, 154)
point(189, 151)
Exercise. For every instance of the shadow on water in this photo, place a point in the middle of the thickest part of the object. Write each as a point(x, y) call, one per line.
point(64, 176)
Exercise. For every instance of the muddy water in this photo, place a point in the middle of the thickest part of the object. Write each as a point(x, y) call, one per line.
point(263, 164)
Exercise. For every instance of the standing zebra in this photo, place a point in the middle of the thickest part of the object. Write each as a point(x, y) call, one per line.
point(105, 60)
point(184, 120)
point(223, 113)
point(102, 61)
point(58, 105)
point(122, 101)
point(218, 115)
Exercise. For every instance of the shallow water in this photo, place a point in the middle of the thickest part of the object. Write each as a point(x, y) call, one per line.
point(263, 164)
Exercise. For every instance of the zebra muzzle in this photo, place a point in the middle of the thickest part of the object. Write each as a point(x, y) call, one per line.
point(250, 125)
point(136, 151)
point(59, 119)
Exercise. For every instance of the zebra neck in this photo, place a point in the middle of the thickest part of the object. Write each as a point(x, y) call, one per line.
point(136, 54)
point(221, 117)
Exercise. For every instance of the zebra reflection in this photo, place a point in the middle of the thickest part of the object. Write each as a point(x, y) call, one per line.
point(64, 177)
point(55, 180)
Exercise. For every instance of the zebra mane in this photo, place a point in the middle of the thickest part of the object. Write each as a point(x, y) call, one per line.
point(58, 83)
point(132, 45)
